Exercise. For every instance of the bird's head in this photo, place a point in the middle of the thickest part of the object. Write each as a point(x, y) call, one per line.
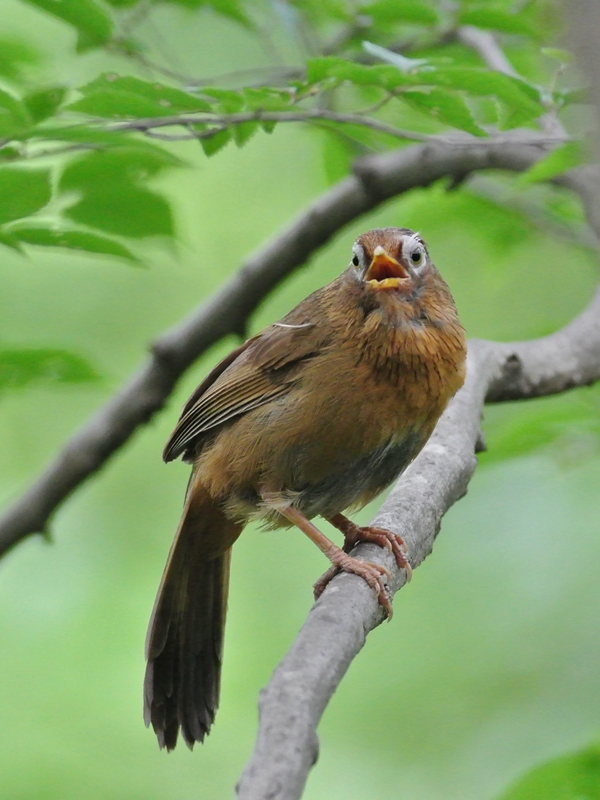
point(390, 260)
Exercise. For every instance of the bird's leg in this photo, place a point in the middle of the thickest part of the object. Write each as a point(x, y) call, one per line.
point(353, 534)
point(373, 574)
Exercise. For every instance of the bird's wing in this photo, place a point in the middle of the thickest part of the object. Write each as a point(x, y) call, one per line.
point(256, 372)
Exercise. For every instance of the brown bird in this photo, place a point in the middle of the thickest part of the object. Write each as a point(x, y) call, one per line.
point(316, 414)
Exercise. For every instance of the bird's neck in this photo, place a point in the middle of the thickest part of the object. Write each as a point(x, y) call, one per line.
point(419, 341)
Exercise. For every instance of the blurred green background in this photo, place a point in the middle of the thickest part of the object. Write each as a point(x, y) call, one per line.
point(490, 665)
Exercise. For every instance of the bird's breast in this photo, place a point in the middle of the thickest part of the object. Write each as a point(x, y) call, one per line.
point(357, 413)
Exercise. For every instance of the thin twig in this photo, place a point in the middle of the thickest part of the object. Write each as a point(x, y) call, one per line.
point(223, 120)
point(484, 43)
point(30, 155)
point(220, 121)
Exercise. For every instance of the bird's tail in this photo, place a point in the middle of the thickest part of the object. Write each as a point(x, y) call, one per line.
point(184, 645)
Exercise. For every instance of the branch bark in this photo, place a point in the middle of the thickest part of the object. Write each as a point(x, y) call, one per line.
point(221, 121)
point(376, 179)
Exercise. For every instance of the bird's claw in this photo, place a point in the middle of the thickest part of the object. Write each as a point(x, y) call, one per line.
point(373, 574)
point(384, 538)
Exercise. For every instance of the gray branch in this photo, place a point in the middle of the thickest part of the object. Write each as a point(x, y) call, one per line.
point(484, 43)
point(376, 179)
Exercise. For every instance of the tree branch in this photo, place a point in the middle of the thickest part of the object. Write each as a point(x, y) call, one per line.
point(221, 121)
point(291, 706)
point(484, 43)
point(376, 179)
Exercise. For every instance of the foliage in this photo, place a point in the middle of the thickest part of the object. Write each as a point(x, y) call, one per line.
point(110, 114)
point(21, 368)
point(572, 777)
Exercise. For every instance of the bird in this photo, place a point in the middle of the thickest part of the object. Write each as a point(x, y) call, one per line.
point(315, 415)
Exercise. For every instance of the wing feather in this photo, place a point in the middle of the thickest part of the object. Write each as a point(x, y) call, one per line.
point(255, 373)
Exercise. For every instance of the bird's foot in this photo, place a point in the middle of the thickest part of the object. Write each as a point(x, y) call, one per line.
point(354, 534)
point(373, 574)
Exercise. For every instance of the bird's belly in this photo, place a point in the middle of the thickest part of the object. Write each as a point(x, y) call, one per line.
point(360, 480)
point(323, 451)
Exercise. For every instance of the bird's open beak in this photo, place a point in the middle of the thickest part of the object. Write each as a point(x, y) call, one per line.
point(384, 271)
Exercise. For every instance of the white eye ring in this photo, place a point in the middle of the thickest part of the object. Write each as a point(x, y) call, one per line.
point(416, 254)
point(357, 255)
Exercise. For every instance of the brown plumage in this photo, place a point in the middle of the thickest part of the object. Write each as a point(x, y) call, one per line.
point(318, 413)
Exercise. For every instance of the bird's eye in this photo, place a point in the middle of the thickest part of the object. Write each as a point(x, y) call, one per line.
point(355, 261)
point(416, 258)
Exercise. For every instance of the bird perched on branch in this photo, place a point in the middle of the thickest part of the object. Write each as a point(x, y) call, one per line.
point(316, 414)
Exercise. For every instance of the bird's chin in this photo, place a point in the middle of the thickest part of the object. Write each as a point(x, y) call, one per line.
point(390, 284)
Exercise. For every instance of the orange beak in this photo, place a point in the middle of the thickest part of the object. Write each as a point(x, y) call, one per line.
point(384, 271)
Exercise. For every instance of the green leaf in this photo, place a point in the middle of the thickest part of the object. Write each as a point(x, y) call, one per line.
point(266, 99)
point(445, 106)
point(155, 92)
point(557, 53)
point(93, 24)
point(73, 240)
point(112, 96)
point(23, 367)
point(243, 132)
point(572, 777)
point(339, 153)
point(14, 116)
point(129, 163)
point(14, 55)
point(364, 138)
point(44, 103)
point(116, 104)
point(498, 19)
point(339, 70)
point(86, 134)
point(23, 192)
point(317, 11)
point(565, 157)
point(229, 102)
point(9, 153)
point(268, 126)
point(124, 211)
point(521, 99)
point(8, 240)
point(213, 144)
point(386, 12)
point(232, 9)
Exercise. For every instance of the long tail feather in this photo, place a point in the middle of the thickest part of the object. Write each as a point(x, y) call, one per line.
point(184, 646)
